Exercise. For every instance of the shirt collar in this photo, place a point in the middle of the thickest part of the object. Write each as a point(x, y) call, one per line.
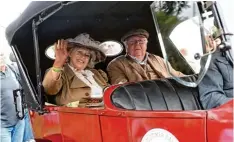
point(138, 61)
point(83, 72)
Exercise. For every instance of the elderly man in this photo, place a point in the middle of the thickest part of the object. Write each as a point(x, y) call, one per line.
point(137, 64)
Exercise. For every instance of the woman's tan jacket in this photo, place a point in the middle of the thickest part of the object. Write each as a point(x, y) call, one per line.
point(69, 88)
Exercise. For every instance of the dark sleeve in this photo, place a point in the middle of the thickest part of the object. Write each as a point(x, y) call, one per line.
point(211, 88)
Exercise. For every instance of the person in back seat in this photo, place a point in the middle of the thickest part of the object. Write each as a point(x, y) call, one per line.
point(76, 83)
point(216, 88)
point(137, 64)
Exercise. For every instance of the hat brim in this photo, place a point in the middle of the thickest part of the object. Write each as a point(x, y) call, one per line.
point(124, 38)
point(100, 55)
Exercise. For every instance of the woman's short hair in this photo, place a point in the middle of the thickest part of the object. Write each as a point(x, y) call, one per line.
point(93, 54)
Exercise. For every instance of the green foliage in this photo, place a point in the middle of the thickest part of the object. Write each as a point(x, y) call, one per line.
point(174, 7)
point(166, 22)
point(168, 19)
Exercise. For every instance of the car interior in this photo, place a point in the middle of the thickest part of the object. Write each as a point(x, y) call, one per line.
point(110, 22)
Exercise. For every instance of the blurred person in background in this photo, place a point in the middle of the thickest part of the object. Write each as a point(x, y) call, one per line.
point(13, 129)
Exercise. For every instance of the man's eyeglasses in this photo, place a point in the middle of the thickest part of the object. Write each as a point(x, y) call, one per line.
point(133, 42)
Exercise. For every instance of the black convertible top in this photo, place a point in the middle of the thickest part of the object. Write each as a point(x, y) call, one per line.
point(93, 17)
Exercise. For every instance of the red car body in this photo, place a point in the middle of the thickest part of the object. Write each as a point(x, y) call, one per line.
point(111, 124)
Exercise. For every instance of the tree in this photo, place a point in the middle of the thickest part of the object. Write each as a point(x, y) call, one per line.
point(167, 19)
point(174, 7)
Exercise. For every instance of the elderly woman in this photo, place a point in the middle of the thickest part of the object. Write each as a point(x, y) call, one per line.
point(72, 78)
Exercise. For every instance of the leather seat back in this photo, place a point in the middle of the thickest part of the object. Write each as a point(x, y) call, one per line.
point(156, 95)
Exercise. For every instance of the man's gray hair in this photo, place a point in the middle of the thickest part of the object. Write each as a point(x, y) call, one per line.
point(12, 57)
point(125, 45)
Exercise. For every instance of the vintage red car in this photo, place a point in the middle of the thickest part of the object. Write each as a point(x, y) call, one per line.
point(165, 110)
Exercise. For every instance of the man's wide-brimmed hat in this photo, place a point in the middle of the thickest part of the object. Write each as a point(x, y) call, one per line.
point(135, 32)
point(84, 40)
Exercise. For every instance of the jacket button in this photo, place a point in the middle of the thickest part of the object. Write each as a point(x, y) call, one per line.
point(86, 94)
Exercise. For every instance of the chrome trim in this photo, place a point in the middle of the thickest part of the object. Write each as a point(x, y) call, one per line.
point(179, 80)
point(25, 75)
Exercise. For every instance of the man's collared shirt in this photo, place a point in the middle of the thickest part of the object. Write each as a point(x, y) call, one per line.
point(147, 68)
point(138, 61)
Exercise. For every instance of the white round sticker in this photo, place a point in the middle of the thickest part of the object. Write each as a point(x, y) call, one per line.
point(159, 135)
